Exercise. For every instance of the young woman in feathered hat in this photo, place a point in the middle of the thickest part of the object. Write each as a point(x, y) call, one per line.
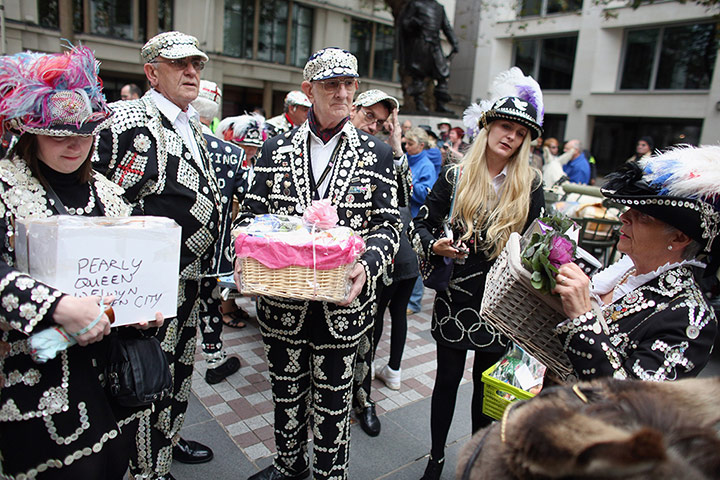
point(645, 317)
point(495, 193)
point(55, 418)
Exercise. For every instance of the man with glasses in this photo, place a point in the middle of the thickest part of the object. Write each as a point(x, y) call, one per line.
point(311, 346)
point(155, 151)
point(370, 111)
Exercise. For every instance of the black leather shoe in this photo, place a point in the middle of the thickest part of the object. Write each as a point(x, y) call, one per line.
point(220, 373)
point(433, 470)
point(369, 421)
point(272, 473)
point(190, 451)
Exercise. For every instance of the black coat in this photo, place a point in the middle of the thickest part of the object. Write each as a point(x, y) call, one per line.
point(362, 187)
point(662, 330)
point(456, 318)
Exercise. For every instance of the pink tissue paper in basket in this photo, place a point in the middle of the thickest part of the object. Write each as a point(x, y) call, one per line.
point(274, 254)
point(319, 245)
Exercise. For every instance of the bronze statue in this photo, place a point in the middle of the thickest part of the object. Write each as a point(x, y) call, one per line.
point(420, 52)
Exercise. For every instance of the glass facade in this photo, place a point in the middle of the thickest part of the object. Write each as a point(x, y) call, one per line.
point(670, 58)
point(549, 60)
point(529, 8)
point(379, 54)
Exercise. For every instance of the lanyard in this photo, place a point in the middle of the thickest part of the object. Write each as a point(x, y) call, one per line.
point(315, 185)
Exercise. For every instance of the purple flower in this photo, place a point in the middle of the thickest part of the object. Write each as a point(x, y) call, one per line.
point(561, 251)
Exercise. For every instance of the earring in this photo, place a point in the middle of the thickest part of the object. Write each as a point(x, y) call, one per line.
point(669, 247)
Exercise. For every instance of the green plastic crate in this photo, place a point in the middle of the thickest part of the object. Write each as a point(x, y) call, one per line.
point(493, 402)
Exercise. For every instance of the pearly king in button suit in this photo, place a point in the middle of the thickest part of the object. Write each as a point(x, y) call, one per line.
point(311, 346)
point(155, 151)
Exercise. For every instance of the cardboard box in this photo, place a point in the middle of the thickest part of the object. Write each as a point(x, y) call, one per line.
point(135, 259)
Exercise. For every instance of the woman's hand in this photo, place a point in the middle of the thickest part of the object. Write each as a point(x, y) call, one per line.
point(573, 286)
point(76, 313)
point(158, 322)
point(445, 247)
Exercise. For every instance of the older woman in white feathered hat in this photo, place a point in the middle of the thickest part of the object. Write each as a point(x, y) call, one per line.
point(645, 317)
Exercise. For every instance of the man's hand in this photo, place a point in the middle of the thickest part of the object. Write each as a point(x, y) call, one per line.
point(395, 133)
point(237, 274)
point(358, 278)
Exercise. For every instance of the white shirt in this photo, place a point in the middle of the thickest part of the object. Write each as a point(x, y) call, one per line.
point(180, 119)
point(320, 154)
point(498, 180)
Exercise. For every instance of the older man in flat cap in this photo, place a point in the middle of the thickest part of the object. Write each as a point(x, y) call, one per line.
point(311, 346)
point(155, 151)
point(294, 114)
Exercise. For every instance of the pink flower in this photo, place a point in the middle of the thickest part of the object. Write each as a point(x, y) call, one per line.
point(561, 251)
point(322, 214)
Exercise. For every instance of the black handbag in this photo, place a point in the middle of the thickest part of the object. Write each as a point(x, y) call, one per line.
point(138, 372)
point(437, 270)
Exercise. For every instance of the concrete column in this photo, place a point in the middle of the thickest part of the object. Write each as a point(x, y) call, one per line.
point(152, 19)
point(65, 15)
point(267, 97)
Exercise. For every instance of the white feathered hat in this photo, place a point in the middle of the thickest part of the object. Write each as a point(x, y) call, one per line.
point(680, 187)
point(513, 96)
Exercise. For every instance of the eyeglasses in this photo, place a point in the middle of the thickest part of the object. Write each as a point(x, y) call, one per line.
point(370, 117)
point(182, 63)
point(333, 85)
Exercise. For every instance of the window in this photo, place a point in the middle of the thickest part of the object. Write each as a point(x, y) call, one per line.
point(530, 8)
point(373, 43)
point(550, 61)
point(238, 28)
point(282, 32)
point(670, 58)
point(111, 18)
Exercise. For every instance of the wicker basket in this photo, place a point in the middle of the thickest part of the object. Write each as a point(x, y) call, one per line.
point(494, 403)
point(300, 283)
point(528, 317)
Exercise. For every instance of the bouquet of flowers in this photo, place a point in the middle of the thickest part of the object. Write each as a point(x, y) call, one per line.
point(546, 248)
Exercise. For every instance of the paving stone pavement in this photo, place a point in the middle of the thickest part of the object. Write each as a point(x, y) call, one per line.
point(235, 417)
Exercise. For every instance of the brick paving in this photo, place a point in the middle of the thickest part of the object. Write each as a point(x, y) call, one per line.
point(242, 403)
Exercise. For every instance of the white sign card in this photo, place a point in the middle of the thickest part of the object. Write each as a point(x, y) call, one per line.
point(134, 259)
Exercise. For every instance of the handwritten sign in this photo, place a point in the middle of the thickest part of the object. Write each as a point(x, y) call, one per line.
point(136, 260)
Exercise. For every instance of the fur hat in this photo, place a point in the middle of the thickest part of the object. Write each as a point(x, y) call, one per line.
point(330, 62)
point(56, 94)
point(680, 187)
point(171, 45)
point(514, 97)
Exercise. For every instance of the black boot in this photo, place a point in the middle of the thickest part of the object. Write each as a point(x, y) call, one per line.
point(369, 421)
point(420, 106)
point(272, 473)
point(441, 108)
point(434, 469)
point(221, 372)
point(190, 451)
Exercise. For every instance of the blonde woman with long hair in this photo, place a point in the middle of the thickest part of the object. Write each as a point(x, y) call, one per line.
point(496, 192)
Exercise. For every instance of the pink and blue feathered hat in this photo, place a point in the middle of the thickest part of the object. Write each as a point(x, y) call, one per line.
point(52, 94)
